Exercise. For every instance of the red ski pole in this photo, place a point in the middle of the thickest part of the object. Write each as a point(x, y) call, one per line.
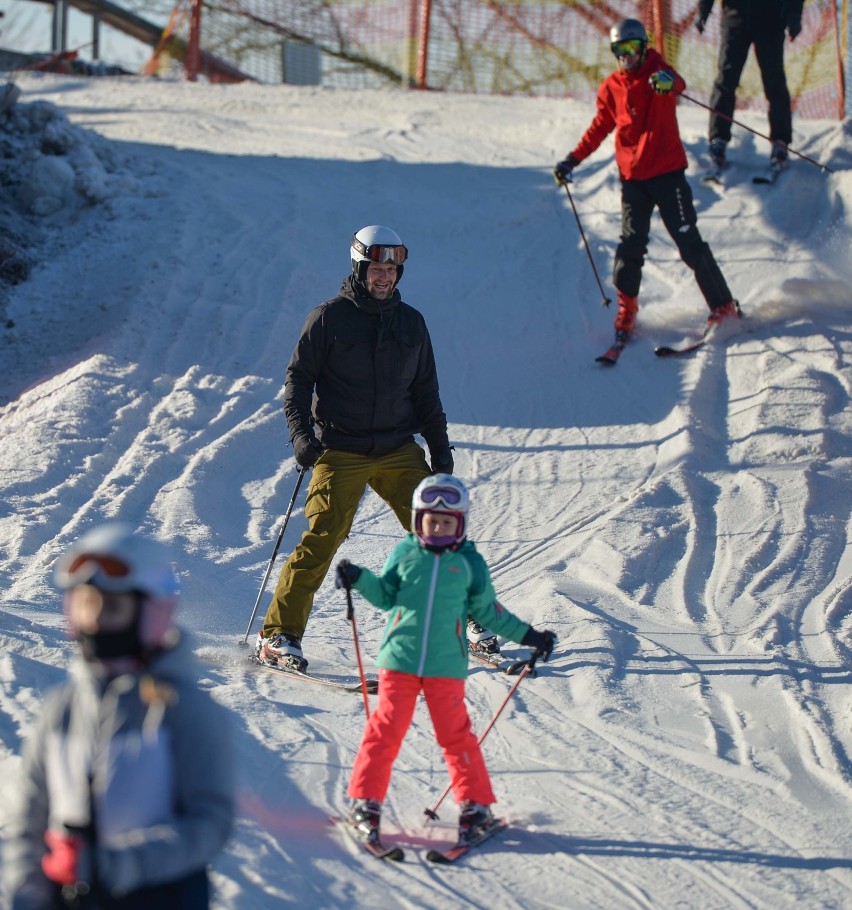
point(350, 615)
point(528, 668)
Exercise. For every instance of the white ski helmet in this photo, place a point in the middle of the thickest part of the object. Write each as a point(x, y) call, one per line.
point(440, 493)
point(112, 557)
point(376, 243)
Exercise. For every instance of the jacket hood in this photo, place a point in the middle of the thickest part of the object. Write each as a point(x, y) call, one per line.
point(355, 290)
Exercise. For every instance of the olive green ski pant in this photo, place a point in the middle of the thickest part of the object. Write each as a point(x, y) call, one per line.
point(338, 482)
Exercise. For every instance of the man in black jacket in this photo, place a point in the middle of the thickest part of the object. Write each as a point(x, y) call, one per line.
point(745, 23)
point(369, 359)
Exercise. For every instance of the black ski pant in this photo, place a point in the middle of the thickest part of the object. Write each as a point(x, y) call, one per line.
point(740, 31)
point(670, 193)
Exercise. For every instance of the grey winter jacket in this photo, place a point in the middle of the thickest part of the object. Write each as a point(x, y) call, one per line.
point(159, 753)
point(373, 369)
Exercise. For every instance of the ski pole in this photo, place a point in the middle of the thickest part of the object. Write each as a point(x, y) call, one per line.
point(605, 301)
point(432, 813)
point(301, 476)
point(350, 615)
point(822, 167)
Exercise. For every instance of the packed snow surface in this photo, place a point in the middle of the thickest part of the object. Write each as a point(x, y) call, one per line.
point(682, 525)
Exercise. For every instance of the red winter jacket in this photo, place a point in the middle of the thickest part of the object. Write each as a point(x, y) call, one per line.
point(647, 138)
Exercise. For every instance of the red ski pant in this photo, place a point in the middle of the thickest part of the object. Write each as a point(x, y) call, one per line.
point(389, 723)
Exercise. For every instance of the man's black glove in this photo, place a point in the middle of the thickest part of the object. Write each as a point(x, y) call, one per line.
point(543, 642)
point(307, 449)
point(346, 575)
point(442, 460)
point(562, 172)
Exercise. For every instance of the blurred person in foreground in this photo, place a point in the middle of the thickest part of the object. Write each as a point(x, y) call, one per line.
point(127, 782)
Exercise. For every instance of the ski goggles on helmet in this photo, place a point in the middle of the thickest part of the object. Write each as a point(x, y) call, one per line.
point(380, 253)
point(445, 496)
point(106, 571)
point(627, 48)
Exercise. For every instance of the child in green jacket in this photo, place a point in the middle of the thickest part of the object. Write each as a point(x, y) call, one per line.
point(432, 582)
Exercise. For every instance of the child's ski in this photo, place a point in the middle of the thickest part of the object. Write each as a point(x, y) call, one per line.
point(372, 684)
point(371, 844)
point(499, 662)
point(462, 848)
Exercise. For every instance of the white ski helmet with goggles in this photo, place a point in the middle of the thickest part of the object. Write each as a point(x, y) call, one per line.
point(440, 493)
point(376, 243)
point(113, 558)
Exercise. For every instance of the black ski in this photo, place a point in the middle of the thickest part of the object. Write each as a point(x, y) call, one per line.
point(666, 351)
point(711, 333)
point(371, 843)
point(610, 355)
point(372, 684)
point(771, 174)
point(462, 848)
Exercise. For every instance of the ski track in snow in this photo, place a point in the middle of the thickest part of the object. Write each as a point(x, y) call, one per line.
point(683, 526)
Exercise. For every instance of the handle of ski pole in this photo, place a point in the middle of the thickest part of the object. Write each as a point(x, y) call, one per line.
point(350, 609)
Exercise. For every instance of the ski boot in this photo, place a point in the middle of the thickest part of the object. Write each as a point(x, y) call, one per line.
point(365, 816)
point(474, 820)
point(282, 651)
point(481, 641)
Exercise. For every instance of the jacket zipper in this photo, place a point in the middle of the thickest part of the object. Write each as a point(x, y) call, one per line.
point(430, 603)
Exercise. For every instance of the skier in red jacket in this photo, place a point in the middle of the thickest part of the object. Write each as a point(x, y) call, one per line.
point(638, 101)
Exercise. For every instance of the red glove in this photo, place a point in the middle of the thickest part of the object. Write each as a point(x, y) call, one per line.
point(61, 864)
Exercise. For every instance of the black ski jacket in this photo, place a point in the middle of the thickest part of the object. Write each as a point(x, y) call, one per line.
point(373, 369)
point(787, 10)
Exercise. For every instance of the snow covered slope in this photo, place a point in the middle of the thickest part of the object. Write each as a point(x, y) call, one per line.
point(684, 526)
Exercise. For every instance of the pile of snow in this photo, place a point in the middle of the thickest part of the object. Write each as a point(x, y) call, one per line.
point(50, 170)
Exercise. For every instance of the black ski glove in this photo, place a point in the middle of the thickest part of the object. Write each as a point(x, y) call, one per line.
point(543, 642)
point(307, 450)
point(442, 459)
point(346, 574)
point(562, 172)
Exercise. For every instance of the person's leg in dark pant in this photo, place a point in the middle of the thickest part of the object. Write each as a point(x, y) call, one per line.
point(733, 53)
point(673, 196)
